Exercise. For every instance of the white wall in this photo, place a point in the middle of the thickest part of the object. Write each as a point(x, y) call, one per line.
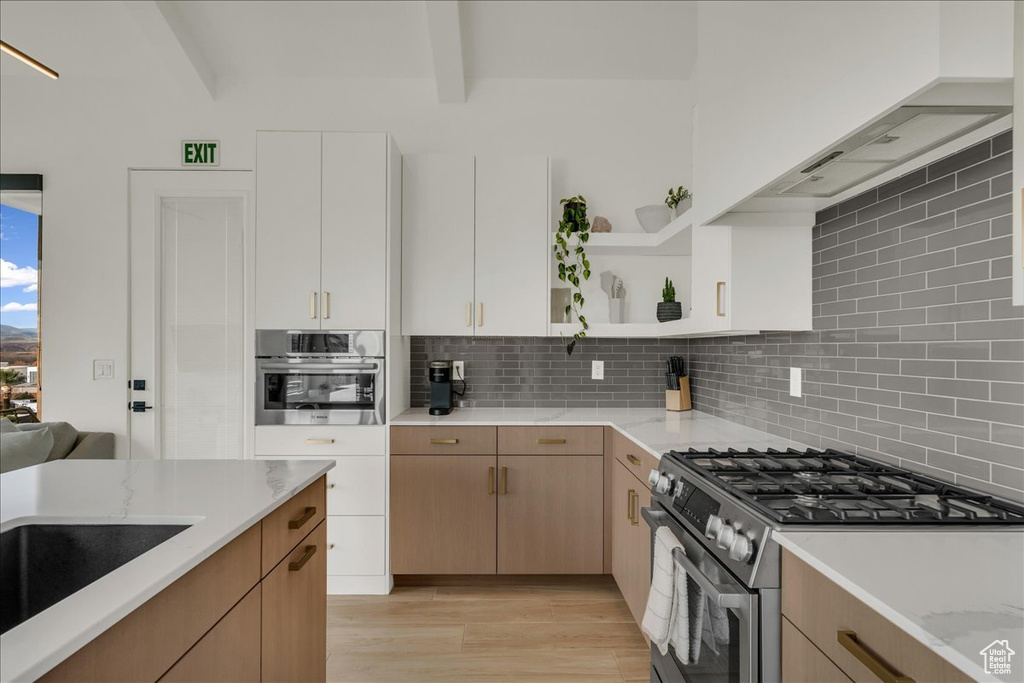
point(780, 81)
point(620, 143)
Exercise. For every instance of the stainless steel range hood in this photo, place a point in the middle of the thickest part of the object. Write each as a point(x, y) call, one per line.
point(894, 139)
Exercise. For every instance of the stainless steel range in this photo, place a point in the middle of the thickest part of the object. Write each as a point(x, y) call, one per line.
point(724, 506)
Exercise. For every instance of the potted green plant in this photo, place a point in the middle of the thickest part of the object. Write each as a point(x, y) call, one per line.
point(573, 264)
point(678, 200)
point(669, 308)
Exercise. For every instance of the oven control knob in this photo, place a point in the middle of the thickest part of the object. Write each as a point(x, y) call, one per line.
point(725, 536)
point(714, 524)
point(664, 484)
point(741, 549)
point(653, 477)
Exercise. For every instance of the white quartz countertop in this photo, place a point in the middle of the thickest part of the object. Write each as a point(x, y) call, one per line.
point(219, 498)
point(955, 591)
point(656, 429)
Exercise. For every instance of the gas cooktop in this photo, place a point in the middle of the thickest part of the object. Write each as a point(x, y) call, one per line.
point(830, 487)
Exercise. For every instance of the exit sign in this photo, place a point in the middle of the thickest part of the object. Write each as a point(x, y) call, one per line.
point(200, 153)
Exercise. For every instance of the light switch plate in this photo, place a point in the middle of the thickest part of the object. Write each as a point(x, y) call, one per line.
point(103, 369)
point(459, 370)
point(597, 369)
point(795, 376)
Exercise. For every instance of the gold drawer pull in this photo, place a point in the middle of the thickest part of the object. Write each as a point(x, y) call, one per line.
point(444, 442)
point(306, 516)
point(634, 507)
point(504, 480)
point(632, 458)
point(319, 442)
point(490, 481)
point(296, 566)
point(848, 639)
point(719, 303)
point(550, 442)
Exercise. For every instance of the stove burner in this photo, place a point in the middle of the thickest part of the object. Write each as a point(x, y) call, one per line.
point(830, 487)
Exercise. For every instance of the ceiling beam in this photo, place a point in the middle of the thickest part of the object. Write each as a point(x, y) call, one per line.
point(177, 48)
point(446, 49)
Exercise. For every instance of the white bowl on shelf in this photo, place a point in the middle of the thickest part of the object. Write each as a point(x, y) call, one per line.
point(654, 217)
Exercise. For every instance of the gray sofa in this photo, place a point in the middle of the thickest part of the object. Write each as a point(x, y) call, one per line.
point(62, 441)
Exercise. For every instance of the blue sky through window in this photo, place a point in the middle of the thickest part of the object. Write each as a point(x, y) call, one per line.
point(19, 258)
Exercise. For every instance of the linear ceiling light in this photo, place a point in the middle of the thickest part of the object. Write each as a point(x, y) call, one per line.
point(37, 65)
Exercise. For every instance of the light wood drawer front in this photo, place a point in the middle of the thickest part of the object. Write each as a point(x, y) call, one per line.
point(821, 609)
point(552, 440)
point(229, 652)
point(147, 642)
point(355, 546)
point(292, 440)
point(443, 440)
point(636, 459)
point(287, 525)
point(802, 662)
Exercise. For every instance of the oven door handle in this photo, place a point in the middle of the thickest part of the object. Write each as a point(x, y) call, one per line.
point(300, 368)
point(724, 599)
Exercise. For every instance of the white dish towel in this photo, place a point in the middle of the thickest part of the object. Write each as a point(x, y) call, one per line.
point(667, 617)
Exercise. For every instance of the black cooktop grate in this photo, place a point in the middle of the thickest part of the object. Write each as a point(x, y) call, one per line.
point(830, 487)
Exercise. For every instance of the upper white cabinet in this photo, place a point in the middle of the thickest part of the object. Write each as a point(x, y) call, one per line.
point(321, 230)
point(474, 242)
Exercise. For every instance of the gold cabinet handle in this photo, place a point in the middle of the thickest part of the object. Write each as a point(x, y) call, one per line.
point(306, 516)
point(444, 442)
point(504, 480)
point(469, 314)
point(550, 442)
point(326, 302)
point(719, 299)
point(629, 505)
point(479, 314)
point(635, 507)
point(301, 562)
point(312, 305)
point(490, 481)
point(319, 442)
point(848, 639)
point(632, 458)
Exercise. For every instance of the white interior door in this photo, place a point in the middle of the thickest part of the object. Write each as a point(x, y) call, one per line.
point(190, 259)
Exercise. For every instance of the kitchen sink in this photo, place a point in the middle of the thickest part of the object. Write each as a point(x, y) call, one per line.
point(41, 564)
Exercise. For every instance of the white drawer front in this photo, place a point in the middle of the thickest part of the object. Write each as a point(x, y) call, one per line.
point(355, 546)
point(285, 440)
point(356, 486)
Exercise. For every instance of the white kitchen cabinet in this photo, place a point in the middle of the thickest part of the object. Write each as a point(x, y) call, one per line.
point(321, 230)
point(353, 249)
point(474, 242)
point(355, 546)
point(287, 230)
point(511, 246)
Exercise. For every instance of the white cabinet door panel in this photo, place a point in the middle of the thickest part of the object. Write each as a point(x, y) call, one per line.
point(711, 288)
point(354, 237)
point(355, 546)
point(437, 245)
point(356, 486)
point(512, 254)
point(287, 230)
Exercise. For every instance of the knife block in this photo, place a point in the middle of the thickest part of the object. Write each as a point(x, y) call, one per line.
point(679, 400)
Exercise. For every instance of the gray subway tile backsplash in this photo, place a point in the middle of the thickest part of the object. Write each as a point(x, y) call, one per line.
point(916, 357)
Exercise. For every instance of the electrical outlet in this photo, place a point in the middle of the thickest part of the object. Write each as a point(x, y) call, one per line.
point(795, 375)
point(103, 369)
point(597, 369)
point(459, 370)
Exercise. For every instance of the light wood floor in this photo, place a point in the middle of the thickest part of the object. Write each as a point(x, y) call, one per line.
point(485, 633)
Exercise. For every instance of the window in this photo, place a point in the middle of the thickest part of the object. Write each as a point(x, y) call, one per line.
point(21, 201)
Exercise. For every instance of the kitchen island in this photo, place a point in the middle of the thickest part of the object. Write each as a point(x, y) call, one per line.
point(222, 502)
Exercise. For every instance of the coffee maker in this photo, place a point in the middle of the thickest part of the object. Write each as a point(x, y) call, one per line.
point(442, 391)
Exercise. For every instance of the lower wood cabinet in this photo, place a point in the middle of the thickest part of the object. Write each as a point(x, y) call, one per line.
point(631, 539)
point(443, 514)
point(803, 662)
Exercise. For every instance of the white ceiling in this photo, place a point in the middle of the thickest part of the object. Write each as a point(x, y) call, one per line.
point(592, 39)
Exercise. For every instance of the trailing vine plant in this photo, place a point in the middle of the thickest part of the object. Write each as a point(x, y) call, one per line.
point(573, 233)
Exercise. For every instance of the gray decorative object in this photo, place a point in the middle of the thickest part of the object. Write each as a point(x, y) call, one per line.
point(654, 217)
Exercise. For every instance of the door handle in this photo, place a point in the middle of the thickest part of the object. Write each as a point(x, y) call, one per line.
point(306, 516)
point(629, 506)
point(325, 301)
point(469, 314)
point(480, 314)
point(719, 299)
point(312, 305)
point(504, 480)
point(490, 481)
point(848, 639)
point(139, 407)
point(301, 562)
point(634, 508)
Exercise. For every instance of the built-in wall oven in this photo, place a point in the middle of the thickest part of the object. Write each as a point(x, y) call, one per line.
point(319, 377)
